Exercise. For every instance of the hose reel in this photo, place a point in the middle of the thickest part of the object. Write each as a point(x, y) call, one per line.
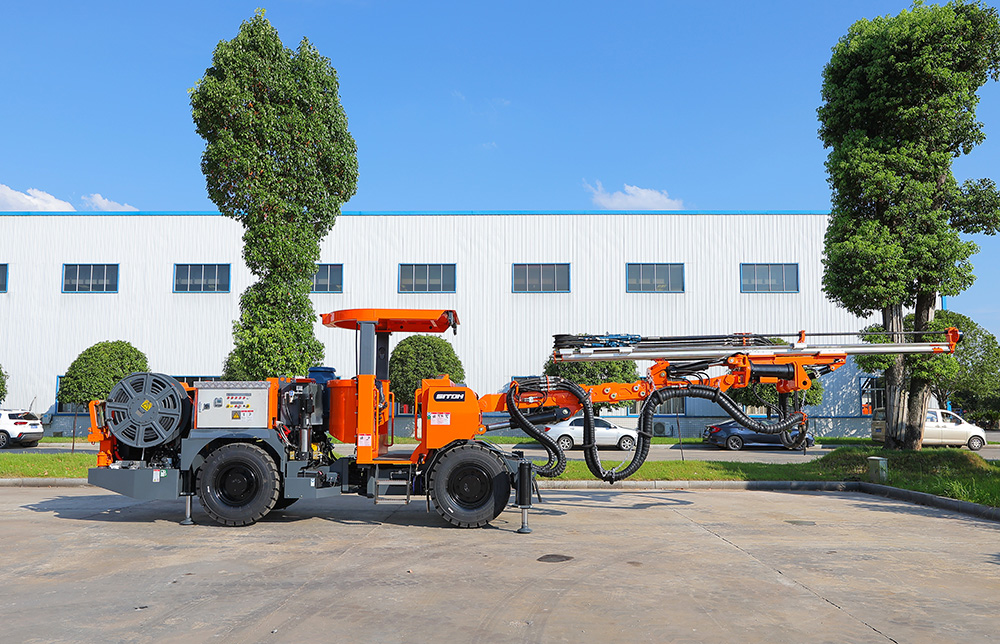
point(147, 410)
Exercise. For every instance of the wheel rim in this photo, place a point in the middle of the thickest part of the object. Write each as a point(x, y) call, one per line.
point(4, 439)
point(565, 443)
point(627, 443)
point(734, 442)
point(470, 485)
point(237, 484)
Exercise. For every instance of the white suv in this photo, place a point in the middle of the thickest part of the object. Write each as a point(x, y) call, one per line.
point(19, 427)
point(941, 428)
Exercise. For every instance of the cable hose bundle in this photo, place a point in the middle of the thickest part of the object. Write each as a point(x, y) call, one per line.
point(556, 464)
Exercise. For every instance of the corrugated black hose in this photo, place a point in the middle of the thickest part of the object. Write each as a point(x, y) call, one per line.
point(556, 464)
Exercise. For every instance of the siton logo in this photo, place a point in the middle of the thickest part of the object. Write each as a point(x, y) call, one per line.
point(449, 396)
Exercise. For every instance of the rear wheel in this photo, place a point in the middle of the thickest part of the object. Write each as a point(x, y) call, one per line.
point(565, 442)
point(238, 484)
point(4, 440)
point(469, 485)
point(734, 443)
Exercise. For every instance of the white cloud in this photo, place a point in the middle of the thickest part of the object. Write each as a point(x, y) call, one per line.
point(633, 198)
point(457, 94)
point(97, 202)
point(33, 199)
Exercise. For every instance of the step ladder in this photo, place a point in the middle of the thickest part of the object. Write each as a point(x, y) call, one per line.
point(383, 485)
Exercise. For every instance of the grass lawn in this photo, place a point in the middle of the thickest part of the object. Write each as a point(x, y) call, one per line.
point(954, 473)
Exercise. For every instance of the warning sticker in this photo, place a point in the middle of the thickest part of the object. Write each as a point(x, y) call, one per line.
point(236, 415)
point(440, 418)
point(364, 440)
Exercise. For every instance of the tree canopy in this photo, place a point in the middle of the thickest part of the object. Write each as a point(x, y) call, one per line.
point(418, 357)
point(3, 385)
point(594, 373)
point(279, 159)
point(899, 105)
point(97, 369)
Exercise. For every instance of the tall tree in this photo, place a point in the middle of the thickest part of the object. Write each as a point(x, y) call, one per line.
point(899, 104)
point(3, 385)
point(279, 159)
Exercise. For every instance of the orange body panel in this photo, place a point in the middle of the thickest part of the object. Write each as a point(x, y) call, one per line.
point(343, 410)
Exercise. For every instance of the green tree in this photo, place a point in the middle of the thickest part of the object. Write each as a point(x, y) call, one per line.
point(279, 159)
point(972, 371)
point(899, 104)
point(594, 373)
point(3, 385)
point(418, 357)
point(97, 369)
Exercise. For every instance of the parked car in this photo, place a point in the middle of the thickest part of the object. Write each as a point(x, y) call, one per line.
point(732, 435)
point(569, 433)
point(942, 427)
point(19, 427)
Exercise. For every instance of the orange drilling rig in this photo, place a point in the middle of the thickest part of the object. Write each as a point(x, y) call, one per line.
point(248, 448)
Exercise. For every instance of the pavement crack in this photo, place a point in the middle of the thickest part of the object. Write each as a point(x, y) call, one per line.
point(781, 574)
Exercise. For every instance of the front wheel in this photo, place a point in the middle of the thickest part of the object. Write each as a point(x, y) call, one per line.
point(626, 443)
point(734, 443)
point(238, 484)
point(469, 485)
point(976, 443)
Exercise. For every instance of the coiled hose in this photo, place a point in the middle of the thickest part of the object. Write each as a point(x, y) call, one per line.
point(645, 432)
point(556, 464)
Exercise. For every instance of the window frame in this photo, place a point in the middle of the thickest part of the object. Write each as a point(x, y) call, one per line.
point(90, 277)
point(424, 271)
point(541, 277)
point(668, 267)
point(770, 266)
point(229, 278)
point(329, 280)
point(4, 273)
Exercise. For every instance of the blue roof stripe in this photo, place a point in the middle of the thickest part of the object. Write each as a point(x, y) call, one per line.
point(415, 213)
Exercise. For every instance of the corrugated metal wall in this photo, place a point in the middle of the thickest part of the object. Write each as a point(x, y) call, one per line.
point(501, 333)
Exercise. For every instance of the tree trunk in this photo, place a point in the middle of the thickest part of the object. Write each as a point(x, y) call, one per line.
point(920, 388)
point(895, 392)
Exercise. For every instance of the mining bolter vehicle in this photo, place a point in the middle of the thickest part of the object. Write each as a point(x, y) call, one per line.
point(246, 449)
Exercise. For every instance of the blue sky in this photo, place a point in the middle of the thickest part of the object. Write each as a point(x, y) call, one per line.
point(459, 105)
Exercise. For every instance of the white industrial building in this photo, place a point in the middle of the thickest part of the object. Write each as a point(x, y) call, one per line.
point(170, 282)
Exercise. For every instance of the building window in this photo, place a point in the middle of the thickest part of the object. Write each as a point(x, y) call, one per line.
point(201, 278)
point(769, 278)
point(329, 278)
point(654, 278)
point(541, 278)
point(3, 278)
point(90, 278)
point(872, 394)
point(426, 278)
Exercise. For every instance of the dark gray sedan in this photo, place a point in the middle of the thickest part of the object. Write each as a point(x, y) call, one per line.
point(732, 435)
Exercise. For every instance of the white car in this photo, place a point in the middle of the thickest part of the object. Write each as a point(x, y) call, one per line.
point(19, 427)
point(941, 428)
point(569, 433)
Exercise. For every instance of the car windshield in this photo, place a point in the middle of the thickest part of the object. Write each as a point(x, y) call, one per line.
point(23, 415)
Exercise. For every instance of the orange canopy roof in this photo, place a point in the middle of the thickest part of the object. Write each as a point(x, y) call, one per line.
point(405, 320)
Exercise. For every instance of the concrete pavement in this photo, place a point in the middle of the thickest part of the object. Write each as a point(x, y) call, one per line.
point(82, 564)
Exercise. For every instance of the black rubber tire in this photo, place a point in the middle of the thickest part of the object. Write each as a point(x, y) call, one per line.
point(238, 484)
point(626, 443)
point(469, 485)
point(734, 443)
point(30, 444)
point(976, 443)
point(565, 442)
point(4, 440)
